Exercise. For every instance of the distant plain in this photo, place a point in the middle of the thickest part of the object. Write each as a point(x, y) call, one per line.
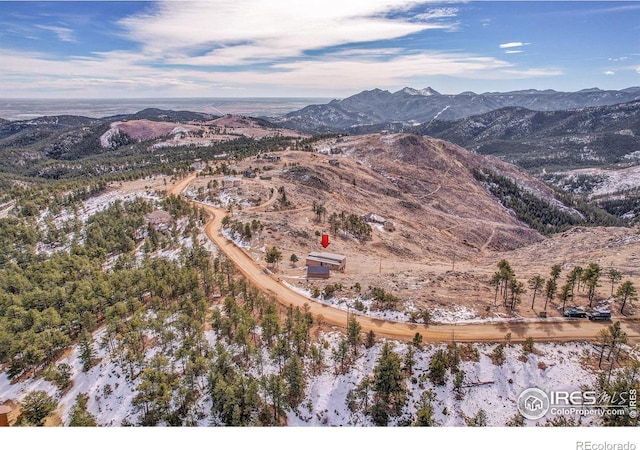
point(24, 109)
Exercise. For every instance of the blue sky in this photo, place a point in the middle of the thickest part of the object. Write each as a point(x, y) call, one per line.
point(328, 48)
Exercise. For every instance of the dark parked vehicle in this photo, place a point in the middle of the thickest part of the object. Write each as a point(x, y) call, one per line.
point(600, 316)
point(573, 312)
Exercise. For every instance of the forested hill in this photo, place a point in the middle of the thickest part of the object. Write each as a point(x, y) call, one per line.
point(62, 147)
point(533, 140)
point(164, 115)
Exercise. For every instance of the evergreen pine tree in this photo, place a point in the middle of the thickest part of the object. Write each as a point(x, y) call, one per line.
point(87, 353)
point(79, 416)
point(388, 383)
point(353, 333)
point(371, 339)
point(293, 374)
point(36, 406)
point(438, 368)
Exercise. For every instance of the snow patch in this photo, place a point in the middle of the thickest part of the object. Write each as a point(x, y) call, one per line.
point(453, 314)
point(107, 136)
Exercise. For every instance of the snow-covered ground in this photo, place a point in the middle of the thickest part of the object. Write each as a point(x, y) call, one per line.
point(349, 304)
point(107, 136)
point(606, 181)
point(100, 202)
point(551, 366)
point(89, 207)
point(236, 238)
point(109, 409)
point(454, 314)
point(223, 198)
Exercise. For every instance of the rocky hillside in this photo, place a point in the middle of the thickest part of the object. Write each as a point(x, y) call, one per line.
point(441, 178)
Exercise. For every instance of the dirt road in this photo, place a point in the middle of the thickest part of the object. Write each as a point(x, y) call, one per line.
point(569, 330)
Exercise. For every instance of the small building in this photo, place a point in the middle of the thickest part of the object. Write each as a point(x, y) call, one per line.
point(5, 410)
point(318, 272)
point(331, 260)
point(374, 218)
point(389, 226)
point(271, 158)
point(248, 173)
point(198, 165)
point(231, 182)
point(160, 220)
point(334, 162)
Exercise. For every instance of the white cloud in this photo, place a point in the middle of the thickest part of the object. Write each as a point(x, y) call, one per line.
point(513, 44)
point(302, 47)
point(368, 52)
point(63, 34)
point(233, 32)
point(437, 13)
point(609, 72)
point(124, 74)
point(638, 69)
point(508, 52)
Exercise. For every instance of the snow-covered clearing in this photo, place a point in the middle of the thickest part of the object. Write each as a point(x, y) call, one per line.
point(550, 367)
point(454, 314)
point(349, 304)
point(100, 202)
point(606, 182)
point(105, 139)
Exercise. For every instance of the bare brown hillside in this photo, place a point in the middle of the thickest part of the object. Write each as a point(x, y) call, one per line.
point(428, 187)
point(168, 133)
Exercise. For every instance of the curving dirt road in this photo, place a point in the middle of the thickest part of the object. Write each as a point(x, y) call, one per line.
point(565, 330)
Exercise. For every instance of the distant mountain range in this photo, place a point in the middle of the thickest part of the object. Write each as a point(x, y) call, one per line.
point(412, 106)
point(539, 131)
point(537, 140)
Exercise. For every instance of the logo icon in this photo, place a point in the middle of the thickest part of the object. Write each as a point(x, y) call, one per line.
point(533, 403)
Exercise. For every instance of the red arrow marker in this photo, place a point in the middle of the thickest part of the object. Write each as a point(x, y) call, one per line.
point(325, 240)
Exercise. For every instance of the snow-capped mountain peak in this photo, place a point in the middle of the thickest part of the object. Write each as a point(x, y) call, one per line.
point(424, 92)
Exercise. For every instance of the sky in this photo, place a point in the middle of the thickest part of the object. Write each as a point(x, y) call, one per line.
point(328, 48)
